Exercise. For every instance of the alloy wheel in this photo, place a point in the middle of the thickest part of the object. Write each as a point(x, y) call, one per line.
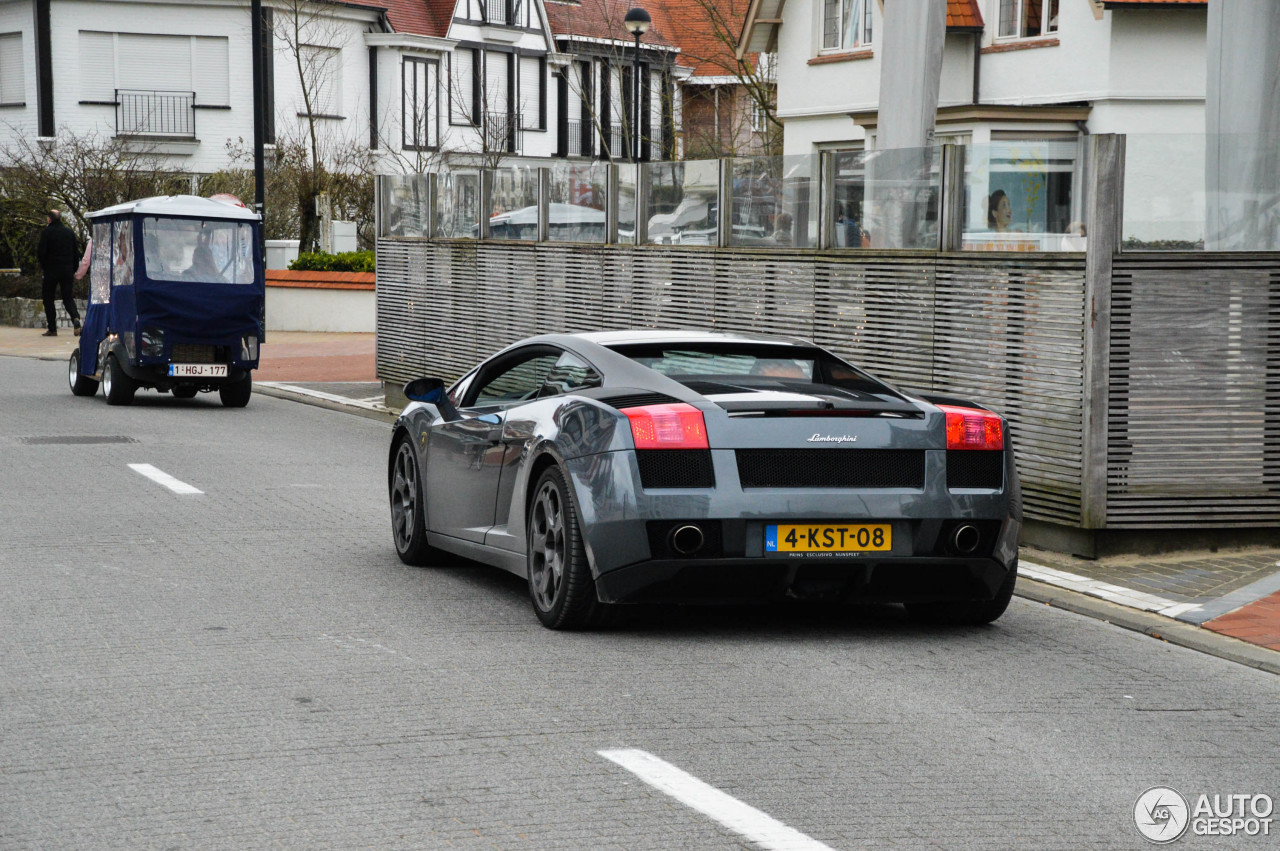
point(404, 497)
point(547, 546)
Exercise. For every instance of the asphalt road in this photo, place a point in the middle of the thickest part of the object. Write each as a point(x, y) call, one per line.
point(252, 667)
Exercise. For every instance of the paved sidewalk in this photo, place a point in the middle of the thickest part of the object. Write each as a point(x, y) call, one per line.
point(1188, 597)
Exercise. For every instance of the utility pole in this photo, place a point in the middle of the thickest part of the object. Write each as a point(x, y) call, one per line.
point(259, 119)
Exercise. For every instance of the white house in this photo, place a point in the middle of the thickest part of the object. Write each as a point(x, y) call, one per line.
point(412, 79)
point(1022, 81)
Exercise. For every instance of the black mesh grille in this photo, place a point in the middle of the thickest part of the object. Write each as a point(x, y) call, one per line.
point(675, 468)
point(636, 400)
point(975, 468)
point(189, 353)
point(831, 468)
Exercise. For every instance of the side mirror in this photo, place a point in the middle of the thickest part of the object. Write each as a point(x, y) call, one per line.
point(425, 390)
point(431, 391)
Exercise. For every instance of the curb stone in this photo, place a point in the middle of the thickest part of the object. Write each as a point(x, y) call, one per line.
point(1156, 626)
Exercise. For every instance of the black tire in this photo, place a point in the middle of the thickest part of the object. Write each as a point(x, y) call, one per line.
point(81, 385)
point(237, 393)
point(560, 583)
point(967, 612)
point(408, 508)
point(185, 392)
point(117, 384)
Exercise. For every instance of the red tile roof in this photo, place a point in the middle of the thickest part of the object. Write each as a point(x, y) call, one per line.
point(603, 19)
point(418, 17)
point(707, 33)
point(963, 14)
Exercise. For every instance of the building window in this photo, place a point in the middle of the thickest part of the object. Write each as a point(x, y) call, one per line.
point(1028, 18)
point(759, 117)
point(196, 65)
point(846, 24)
point(418, 104)
point(13, 86)
point(322, 78)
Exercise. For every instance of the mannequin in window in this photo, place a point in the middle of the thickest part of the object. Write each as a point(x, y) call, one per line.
point(999, 212)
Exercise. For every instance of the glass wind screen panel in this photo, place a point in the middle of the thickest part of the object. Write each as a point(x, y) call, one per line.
point(888, 198)
point(628, 178)
point(1190, 192)
point(100, 264)
point(513, 204)
point(576, 208)
point(404, 205)
point(212, 251)
point(122, 253)
point(682, 202)
point(458, 200)
point(775, 201)
point(1024, 196)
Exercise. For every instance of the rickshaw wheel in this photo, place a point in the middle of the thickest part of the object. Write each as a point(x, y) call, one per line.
point(81, 385)
point(118, 386)
point(236, 395)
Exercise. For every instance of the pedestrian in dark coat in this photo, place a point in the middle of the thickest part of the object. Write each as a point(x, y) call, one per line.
point(58, 256)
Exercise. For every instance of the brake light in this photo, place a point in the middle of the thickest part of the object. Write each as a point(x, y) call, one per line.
point(969, 428)
point(675, 426)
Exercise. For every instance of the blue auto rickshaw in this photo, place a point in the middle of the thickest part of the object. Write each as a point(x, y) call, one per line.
point(176, 296)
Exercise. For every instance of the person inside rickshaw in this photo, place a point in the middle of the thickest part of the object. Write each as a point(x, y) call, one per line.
point(203, 268)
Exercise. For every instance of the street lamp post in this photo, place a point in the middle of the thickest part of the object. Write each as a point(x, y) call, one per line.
point(637, 23)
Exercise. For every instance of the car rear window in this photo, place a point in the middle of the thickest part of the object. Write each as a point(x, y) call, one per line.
point(737, 367)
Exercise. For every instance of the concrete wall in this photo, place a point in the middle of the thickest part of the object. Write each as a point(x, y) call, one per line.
point(315, 309)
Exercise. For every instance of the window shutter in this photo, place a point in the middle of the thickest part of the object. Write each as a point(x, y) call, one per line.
point(322, 69)
point(97, 66)
point(531, 94)
point(212, 71)
point(462, 86)
point(154, 62)
point(13, 87)
point(496, 83)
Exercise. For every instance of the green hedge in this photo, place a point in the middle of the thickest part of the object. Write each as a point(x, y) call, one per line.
point(348, 261)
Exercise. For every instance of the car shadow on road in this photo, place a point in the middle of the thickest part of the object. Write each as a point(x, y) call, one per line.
point(780, 618)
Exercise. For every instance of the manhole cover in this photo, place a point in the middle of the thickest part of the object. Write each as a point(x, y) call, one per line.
point(64, 440)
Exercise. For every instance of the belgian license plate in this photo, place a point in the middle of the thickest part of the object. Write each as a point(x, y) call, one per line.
point(821, 538)
point(198, 370)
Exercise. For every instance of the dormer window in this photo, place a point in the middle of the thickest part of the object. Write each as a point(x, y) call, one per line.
point(1028, 18)
point(846, 24)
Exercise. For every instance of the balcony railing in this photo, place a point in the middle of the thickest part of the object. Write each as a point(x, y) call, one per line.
point(497, 11)
point(155, 113)
point(580, 141)
point(500, 131)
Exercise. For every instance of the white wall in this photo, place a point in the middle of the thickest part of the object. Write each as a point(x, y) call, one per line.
point(17, 17)
point(1142, 70)
point(314, 309)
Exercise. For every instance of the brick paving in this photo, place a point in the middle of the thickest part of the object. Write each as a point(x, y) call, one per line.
point(1256, 623)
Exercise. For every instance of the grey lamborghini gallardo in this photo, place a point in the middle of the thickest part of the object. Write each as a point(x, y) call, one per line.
point(677, 466)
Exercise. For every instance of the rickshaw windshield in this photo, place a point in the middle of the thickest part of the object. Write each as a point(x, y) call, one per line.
point(207, 251)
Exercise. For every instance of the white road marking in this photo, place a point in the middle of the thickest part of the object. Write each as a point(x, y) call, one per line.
point(760, 828)
point(162, 478)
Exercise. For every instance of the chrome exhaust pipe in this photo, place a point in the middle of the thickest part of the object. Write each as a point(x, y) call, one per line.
point(687, 540)
point(965, 539)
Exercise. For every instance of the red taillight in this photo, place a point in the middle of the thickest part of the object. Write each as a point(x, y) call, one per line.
point(677, 426)
point(969, 428)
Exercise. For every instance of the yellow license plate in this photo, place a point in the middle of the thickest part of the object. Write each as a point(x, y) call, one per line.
point(819, 538)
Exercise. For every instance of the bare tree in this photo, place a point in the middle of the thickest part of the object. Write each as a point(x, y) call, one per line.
point(312, 36)
point(750, 123)
point(76, 174)
point(496, 137)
